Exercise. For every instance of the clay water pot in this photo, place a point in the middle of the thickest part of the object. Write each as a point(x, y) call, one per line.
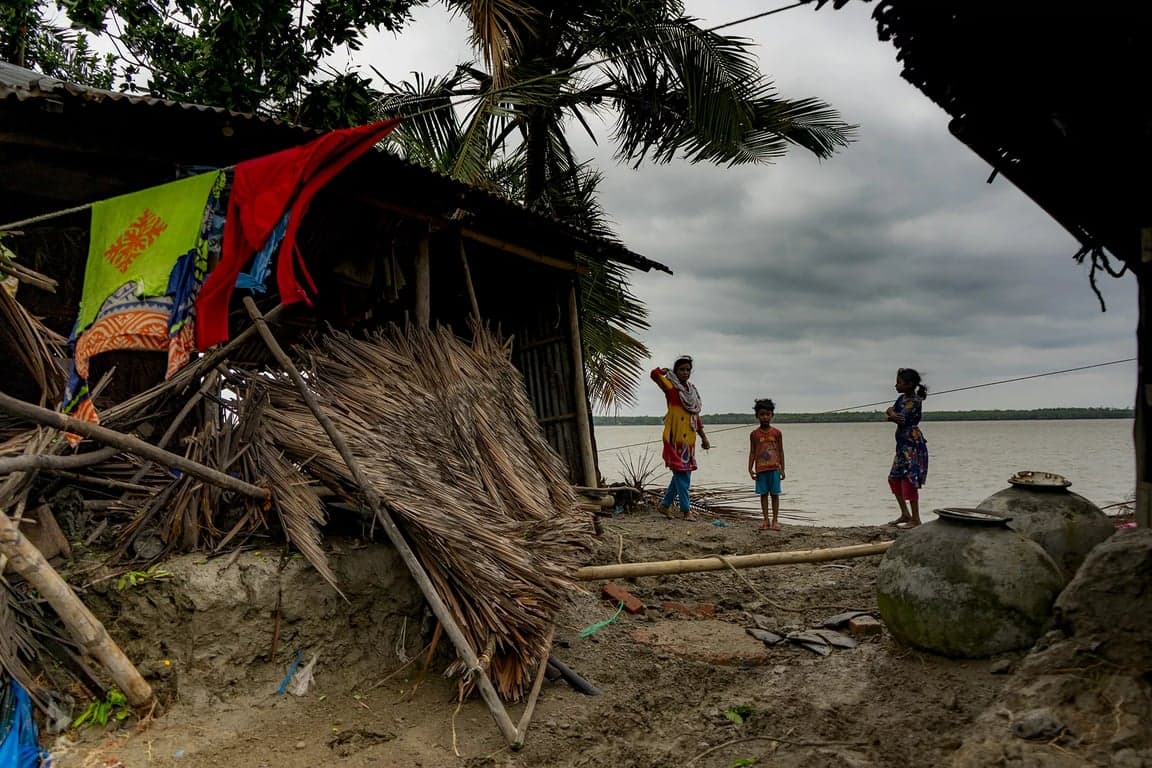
point(967, 586)
point(1042, 508)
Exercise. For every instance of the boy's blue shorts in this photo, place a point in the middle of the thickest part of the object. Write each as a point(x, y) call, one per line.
point(768, 483)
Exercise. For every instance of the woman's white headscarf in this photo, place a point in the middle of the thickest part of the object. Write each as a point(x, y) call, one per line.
point(689, 395)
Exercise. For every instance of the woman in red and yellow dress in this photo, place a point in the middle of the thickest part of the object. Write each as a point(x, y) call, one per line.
point(681, 425)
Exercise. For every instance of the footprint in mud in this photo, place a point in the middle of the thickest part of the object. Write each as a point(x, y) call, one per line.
point(350, 742)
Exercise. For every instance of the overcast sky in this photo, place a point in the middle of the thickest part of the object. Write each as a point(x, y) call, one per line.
point(811, 282)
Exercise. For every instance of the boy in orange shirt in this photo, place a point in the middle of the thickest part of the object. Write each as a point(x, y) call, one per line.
point(766, 462)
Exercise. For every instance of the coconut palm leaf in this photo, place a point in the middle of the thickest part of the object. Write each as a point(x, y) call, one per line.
point(680, 88)
point(497, 27)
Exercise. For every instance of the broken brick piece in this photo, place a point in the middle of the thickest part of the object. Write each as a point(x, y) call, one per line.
point(862, 626)
point(699, 610)
point(617, 593)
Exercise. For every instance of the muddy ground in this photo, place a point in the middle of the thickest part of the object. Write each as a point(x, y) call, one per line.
point(668, 677)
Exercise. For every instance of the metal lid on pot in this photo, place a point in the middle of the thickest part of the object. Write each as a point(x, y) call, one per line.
point(971, 516)
point(1039, 480)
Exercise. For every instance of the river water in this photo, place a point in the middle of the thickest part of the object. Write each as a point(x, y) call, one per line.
point(837, 473)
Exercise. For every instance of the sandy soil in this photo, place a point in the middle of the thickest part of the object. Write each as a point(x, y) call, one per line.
point(667, 678)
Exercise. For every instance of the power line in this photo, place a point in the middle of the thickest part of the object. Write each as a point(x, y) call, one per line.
point(994, 383)
point(934, 394)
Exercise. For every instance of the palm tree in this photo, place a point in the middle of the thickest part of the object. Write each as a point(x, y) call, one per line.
point(674, 89)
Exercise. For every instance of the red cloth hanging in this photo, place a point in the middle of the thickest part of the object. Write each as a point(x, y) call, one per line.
point(262, 190)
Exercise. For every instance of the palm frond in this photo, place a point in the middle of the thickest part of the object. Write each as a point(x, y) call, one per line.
point(497, 28)
point(687, 90)
point(17, 641)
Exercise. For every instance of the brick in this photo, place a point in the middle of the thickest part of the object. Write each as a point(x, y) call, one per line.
point(698, 610)
point(617, 594)
point(862, 626)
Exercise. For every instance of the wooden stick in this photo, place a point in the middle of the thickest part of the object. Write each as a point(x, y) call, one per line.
point(583, 420)
point(534, 694)
point(663, 567)
point(104, 482)
point(439, 609)
point(128, 443)
point(436, 635)
point(51, 461)
point(86, 629)
point(468, 282)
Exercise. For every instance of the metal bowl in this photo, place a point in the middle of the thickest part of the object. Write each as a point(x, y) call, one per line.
point(971, 516)
point(1039, 480)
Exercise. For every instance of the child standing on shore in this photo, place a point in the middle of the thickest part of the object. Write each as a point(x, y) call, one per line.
point(910, 466)
point(766, 463)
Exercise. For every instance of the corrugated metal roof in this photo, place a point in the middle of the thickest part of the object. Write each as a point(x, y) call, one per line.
point(24, 84)
point(20, 83)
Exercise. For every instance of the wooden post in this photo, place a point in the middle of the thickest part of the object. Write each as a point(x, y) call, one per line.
point(26, 560)
point(128, 443)
point(662, 567)
point(1142, 436)
point(423, 283)
point(439, 609)
point(580, 392)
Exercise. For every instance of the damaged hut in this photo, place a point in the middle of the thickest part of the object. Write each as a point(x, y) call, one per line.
point(379, 342)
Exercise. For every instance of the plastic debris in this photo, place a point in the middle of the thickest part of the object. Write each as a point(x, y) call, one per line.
point(291, 671)
point(304, 677)
point(594, 628)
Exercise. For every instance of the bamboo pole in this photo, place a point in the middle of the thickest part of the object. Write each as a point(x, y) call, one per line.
point(128, 443)
point(423, 283)
point(664, 567)
point(530, 706)
point(439, 609)
point(26, 560)
point(580, 392)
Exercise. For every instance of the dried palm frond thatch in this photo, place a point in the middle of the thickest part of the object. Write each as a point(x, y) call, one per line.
point(37, 349)
point(16, 640)
point(447, 437)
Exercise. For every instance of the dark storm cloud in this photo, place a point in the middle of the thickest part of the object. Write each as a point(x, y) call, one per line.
point(811, 281)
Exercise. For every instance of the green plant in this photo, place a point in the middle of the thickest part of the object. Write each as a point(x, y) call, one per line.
point(739, 714)
point(113, 707)
point(744, 762)
point(136, 578)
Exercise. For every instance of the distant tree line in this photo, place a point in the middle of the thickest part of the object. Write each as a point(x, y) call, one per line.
point(1036, 414)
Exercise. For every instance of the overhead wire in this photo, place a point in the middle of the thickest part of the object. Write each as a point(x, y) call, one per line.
point(885, 402)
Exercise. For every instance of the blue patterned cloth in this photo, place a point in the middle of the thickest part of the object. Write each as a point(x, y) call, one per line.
point(911, 460)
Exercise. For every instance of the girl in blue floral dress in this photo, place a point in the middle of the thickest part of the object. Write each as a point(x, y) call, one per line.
point(910, 466)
